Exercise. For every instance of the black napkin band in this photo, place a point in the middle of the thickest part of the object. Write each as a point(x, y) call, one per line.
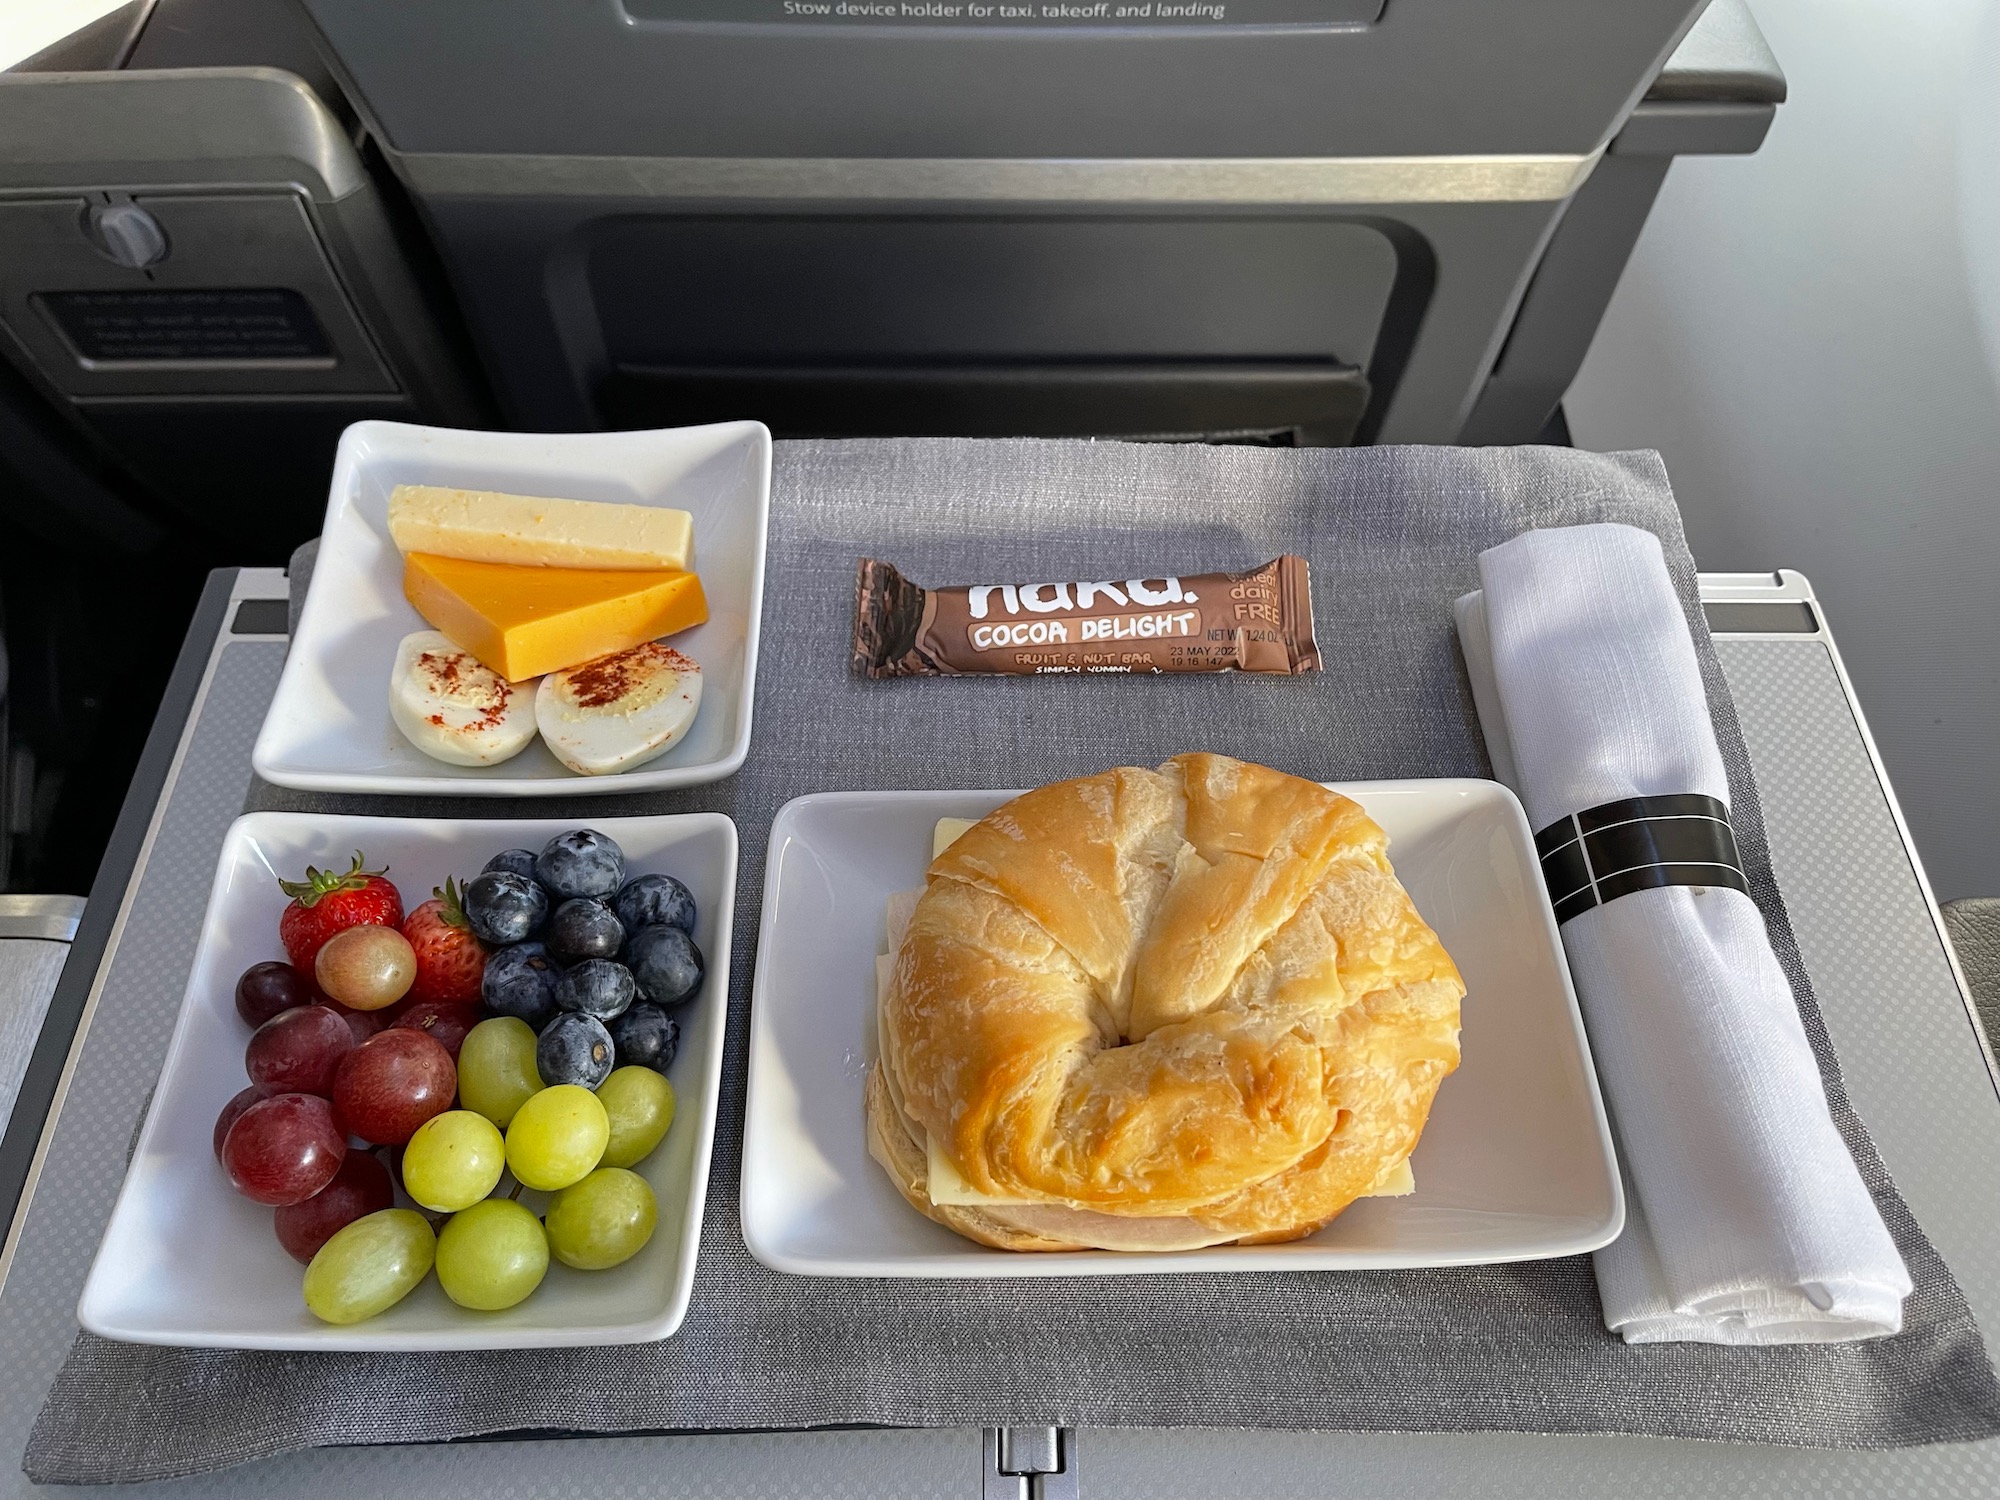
point(1638, 844)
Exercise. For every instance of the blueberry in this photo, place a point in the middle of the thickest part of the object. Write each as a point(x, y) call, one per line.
point(583, 928)
point(514, 861)
point(502, 907)
point(655, 901)
point(582, 862)
point(646, 1037)
point(574, 1049)
point(596, 987)
point(666, 964)
point(520, 981)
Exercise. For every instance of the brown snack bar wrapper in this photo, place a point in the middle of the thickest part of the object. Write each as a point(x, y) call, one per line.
point(1259, 621)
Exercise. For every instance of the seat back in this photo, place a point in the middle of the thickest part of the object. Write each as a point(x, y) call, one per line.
point(1306, 220)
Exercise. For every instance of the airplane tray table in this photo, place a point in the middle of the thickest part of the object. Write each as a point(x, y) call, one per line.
point(1913, 1058)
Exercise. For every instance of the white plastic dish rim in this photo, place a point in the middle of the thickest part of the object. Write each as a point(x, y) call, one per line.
point(566, 463)
point(535, 1323)
point(764, 1140)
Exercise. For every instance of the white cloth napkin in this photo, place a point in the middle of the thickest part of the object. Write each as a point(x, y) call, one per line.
point(1746, 1219)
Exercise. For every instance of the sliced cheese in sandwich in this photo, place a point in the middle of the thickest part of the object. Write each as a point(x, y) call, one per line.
point(948, 1185)
point(534, 531)
point(948, 832)
point(902, 906)
point(1397, 1181)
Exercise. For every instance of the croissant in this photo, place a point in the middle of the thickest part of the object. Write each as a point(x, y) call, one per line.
point(1156, 1010)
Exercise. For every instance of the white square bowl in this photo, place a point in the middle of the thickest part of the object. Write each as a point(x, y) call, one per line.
point(1516, 1162)
point(186, 1261)
point(328, 728)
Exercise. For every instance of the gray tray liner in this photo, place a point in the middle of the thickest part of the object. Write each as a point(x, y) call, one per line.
point(1392, 535)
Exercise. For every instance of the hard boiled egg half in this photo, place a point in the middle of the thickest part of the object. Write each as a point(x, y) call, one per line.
point(620, 710)
point(453, 707)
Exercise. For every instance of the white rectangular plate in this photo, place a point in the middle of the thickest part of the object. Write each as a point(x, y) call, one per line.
point(186, 1261)
point(329, 728)
point(1515, 1164)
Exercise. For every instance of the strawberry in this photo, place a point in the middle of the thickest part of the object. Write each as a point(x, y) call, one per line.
point(327, 901)
point(450, 960)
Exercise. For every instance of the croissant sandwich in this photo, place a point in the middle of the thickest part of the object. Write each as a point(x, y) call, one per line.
point(1157, 1010)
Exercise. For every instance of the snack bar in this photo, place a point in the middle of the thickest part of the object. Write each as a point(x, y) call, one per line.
point(1259, 621)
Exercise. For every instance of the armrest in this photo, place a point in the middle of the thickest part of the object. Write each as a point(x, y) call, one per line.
point(1716, 96)
point(1723, 60)
point(1974, 925)
point(35, 934)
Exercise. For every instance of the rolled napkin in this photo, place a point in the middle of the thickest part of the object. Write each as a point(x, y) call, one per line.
point(1747, 1221)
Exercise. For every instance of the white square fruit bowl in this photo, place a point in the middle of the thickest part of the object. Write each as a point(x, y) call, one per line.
point(1516, 1162)
point(328, 728)
point(186, 1261)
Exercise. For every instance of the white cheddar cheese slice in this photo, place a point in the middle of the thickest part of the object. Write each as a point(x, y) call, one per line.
point(948, 1185)
point(534, 531)
point(947, 833)
point(1398, 1181)
point(901, 905)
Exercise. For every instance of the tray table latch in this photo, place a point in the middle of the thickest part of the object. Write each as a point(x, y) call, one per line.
point(1028, 1463)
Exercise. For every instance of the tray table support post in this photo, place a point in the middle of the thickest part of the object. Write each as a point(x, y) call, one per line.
point(1028, 1463)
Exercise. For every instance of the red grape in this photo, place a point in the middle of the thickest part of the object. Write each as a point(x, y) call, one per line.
point(360, 1187)
point(298, 1051)
point(366, 968)
point(268, 989)
point(283, 1149)
point(363, 1023)
point(392, 1083)
point(445, 1023)
point(235, 1107)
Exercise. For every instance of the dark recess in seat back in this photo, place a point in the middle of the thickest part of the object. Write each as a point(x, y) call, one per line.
point(1111, 327)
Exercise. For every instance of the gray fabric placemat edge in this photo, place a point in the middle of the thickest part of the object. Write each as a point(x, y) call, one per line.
point(1933, 1383)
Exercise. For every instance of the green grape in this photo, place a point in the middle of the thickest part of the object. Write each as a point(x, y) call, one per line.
point(604, 1219)
point(557, 1137)
point(640, 1104)
point(453, 1161)
point(496, 1068)
point(370, 1266)
point(492, 1255)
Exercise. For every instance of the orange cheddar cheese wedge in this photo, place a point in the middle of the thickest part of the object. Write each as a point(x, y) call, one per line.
point(523, 621)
